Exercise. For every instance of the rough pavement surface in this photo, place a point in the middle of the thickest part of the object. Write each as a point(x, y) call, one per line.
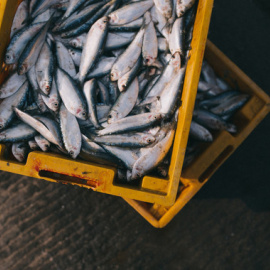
point(226, 226)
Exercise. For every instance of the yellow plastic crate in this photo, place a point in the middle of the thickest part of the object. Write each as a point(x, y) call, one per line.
point(204, 166)
point(56, 168)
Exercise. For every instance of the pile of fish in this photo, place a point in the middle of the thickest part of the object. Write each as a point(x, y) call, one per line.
point(216, 103)
point(100, 79)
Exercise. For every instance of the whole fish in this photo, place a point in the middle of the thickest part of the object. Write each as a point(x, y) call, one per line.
point(37, 125)
point(71, 132)
point(128, 59)
point(31, 52)
point(129, 12)
point(150, 43)
point(152, 156)
point(70, 94)
point(89, 91)
point(125, 102)
point(17, 133)
point(19, 41)
point(126, 140)
point(45, 69)
point(130, 123)
point(96, 39)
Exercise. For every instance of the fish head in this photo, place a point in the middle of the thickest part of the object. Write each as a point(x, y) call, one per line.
point(114, 74)
point(54, 104)
point(9, 57)
point(102, 23)
point(148, 139)
point(82, 114)
point(122, 84)
point(176, 60)
point(137, 173)
point(113, 18)
point(74, 43)
point(46, 88)
point(148, 60)
point(112, 117)
point(74, 152)
point(22, 69)
point(155, 116)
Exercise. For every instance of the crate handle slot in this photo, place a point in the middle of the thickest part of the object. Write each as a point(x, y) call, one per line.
point(67, 179)
point(215, 165)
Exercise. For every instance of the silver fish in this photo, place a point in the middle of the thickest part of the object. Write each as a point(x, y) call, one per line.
point(31, 52)
point(118, 40)
point(126, 140)
point(200, 133)
point(125, 80)
point(17, 133)
point(89, 91)
point(150, 43)
point(129, 12)
point(103, 67)
point(152, 156)
point(7, 105)
point(78, 42)
point(33, 145)
point(37, 125)
point(125, 102)
point(76, 56)
point(45, 69)
point(127, 60)
point(130, 123)
point(11, 85)
point(19, 18)
point(70, 94)
point(53, 100)
point(20, 151)
point(19, 41)
point(177, 37)
point(64, 59)
point(165, 7)
point(71, 132)
point(42, 143)
point(95, 39)
point(127, 156)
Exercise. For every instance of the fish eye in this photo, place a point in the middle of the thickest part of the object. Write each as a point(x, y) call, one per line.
point(71, 152)
point(55, 104)
point(109, 116)
point(47, 87)
point(83, 113)
point(1, 126)
point(149, 140)
point(8, 57)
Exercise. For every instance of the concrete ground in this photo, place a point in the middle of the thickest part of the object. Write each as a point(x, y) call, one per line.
point(226, 226)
